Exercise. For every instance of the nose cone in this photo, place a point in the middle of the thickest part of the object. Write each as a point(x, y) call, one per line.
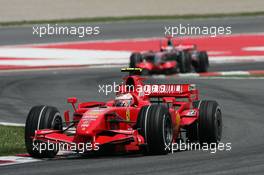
point(92, 122)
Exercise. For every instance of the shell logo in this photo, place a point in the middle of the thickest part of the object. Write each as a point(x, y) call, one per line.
point(178, 119)
point(128, 115)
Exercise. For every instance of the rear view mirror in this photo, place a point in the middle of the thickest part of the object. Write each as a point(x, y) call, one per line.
point(72, 100)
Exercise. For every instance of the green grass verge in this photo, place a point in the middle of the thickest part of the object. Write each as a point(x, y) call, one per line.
point(11, 140)
point(129, 18)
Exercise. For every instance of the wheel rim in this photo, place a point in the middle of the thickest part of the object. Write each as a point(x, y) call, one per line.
point(57, 123)
point(167, 134)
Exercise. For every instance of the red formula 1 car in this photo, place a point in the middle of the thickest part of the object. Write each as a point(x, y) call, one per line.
point(142, 117)
point(171, 59)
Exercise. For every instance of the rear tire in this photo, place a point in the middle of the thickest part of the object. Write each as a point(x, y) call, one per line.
point(208, 128)
point(210, 122)
point(41, 117)
point(155, 126)
point(203, 62)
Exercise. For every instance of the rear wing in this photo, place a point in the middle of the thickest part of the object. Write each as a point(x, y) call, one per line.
point(171, 90)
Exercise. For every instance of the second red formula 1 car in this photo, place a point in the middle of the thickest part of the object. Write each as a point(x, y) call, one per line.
point(142, 117)
point(171, 59)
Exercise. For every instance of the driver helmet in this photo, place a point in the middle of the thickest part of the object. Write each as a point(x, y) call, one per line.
point(170, 45)
point(169, 48)
point(124, 100)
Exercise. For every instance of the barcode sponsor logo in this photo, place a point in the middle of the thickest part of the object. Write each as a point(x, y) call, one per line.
point(162, 88)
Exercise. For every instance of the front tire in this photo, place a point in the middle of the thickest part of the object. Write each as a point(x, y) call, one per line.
point(134, 59)
point(155, 126)
point(41, 117)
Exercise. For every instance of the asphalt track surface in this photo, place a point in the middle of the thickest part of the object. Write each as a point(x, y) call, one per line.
point(241, 101)
point(19, 91)
point(131, 29)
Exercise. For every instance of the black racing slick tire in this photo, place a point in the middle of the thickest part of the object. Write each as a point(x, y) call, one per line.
point(203, 62)
point(134, 59)
point(208, 127)
point(209, 122)
point(185, 62)
point(155, 125)
point(41, 117)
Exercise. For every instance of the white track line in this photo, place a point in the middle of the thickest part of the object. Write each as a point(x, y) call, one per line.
point(11, 124)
